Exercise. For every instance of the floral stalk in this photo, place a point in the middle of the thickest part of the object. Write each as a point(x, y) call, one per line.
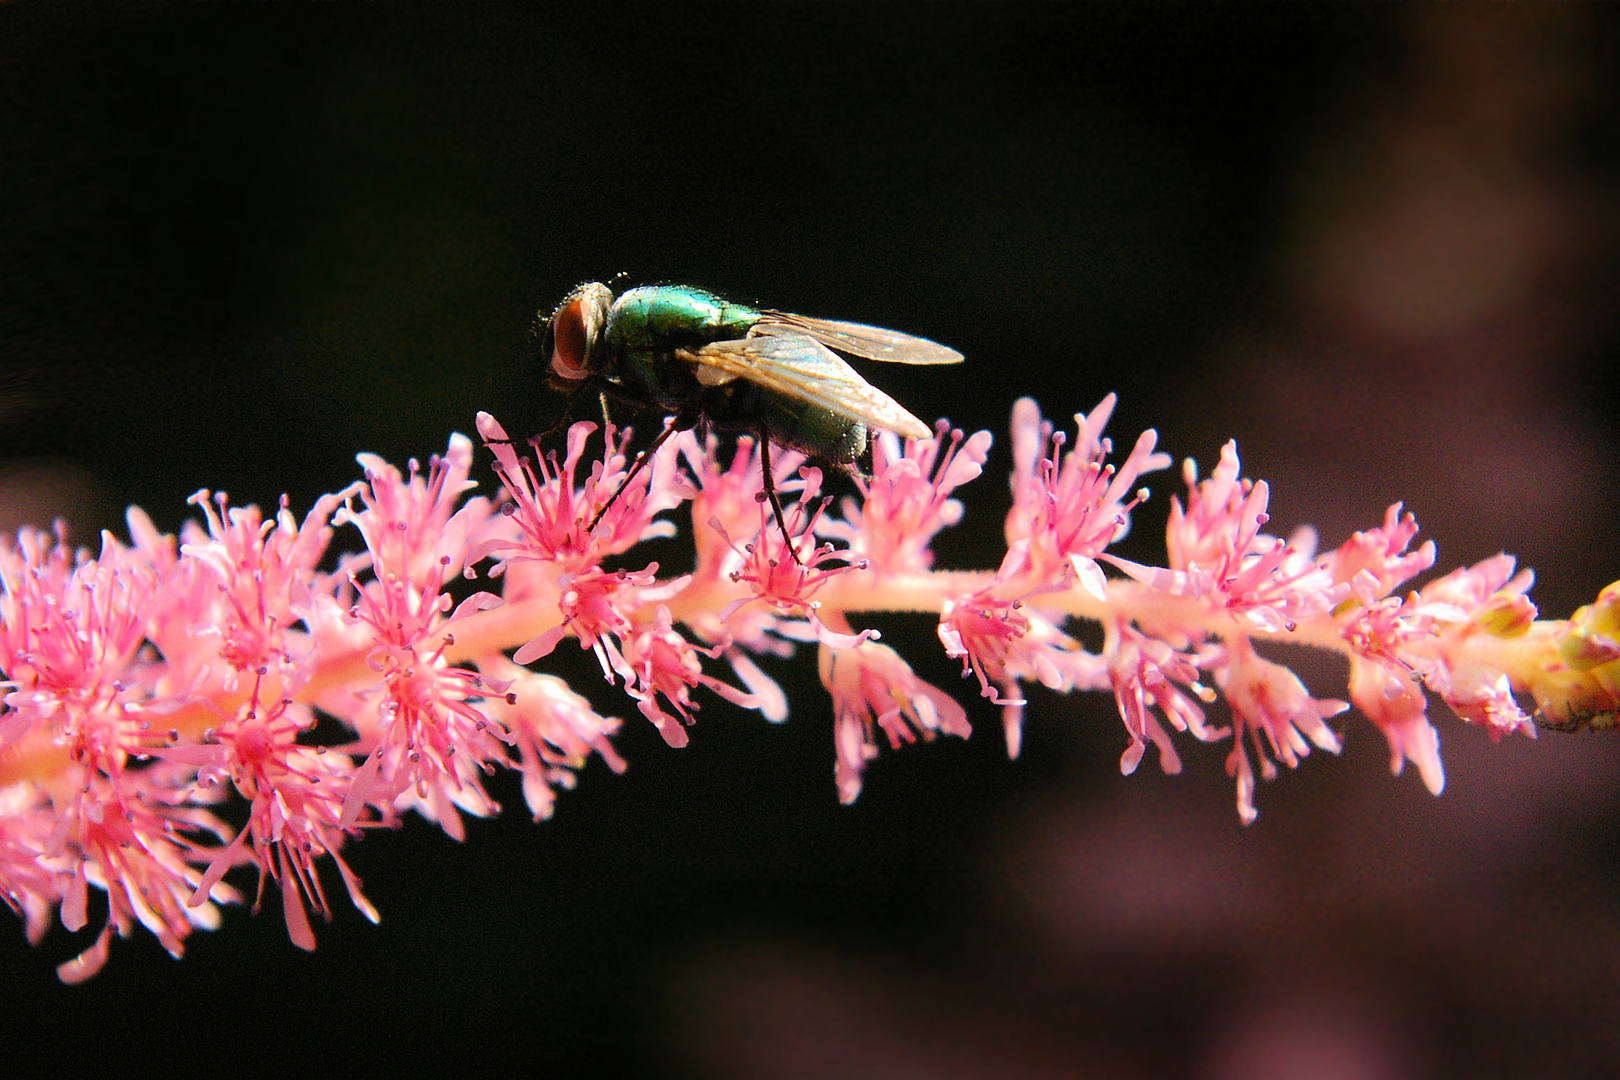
point(148, 682)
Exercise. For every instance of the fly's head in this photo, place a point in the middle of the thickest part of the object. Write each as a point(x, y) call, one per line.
point(574, 333)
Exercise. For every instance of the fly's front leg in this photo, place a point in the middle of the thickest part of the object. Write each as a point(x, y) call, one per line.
point(641, 460)
point(603, 390)
point(679, 422)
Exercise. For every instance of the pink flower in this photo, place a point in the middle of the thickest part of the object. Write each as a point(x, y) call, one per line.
point(1005, 641)
point(1217, 552)
point(1489, 598)
point(658, 663)
point(1068, 513)
point(1427, 634)
point(1145, 672)
point(70, 627)
point(263, 571)
point(413, 527)
point(296, 796)
point(731, 496)
point(1472, 589)
point(907, 501)
point(871, 683)
point(604, 610)
point(1394, 702)
point(984, 632)
point(430, 741)
point(1381, 553)
point(729, 500)
point(554, 729)
point(129, 837)
point(1268, 699)
point(784, 572)
point(1482, 695)
point(230, 604)
point(555, 513)
point(29, 886)
point(598, 607)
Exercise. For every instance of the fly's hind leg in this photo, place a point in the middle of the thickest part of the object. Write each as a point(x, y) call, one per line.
point(770, 494)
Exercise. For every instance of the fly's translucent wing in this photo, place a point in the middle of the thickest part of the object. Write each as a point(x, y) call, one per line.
point(867, 342)
point(798, 366)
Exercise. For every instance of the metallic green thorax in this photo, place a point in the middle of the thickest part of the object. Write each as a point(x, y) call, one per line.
point(646, 326)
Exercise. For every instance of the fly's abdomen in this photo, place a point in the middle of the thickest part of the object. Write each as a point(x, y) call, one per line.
point(817, 431)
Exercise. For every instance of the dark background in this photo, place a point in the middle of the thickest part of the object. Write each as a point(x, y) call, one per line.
point(1376, 245)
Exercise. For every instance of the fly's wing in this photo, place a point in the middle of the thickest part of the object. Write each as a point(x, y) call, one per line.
point(867, 342)
point(798, 366)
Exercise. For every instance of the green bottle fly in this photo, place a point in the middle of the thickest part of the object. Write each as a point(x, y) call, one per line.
point(712, 364)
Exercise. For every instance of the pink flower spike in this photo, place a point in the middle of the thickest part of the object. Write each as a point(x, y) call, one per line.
point(907, 501)
point(1267, 698)
point(870, 683)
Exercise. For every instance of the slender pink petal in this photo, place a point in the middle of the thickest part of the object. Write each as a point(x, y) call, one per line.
point(292, 908)
point(87, 963)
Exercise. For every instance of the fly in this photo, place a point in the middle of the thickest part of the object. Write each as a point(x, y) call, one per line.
point(712, 364)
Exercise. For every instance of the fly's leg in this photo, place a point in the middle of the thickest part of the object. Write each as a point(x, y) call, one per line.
point(671, 426)
point(561, 422)
point(770, 494)
point(603, 389)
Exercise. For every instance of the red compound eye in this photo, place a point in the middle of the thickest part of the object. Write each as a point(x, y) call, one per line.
point(568, 342)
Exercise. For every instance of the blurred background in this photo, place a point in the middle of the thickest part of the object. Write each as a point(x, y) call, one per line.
point(1376, 245)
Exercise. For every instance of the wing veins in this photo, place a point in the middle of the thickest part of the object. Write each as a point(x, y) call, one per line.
point(867, 342)
point(798, 366)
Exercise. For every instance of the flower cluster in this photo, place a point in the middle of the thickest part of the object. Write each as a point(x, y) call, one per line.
point(146, 684)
